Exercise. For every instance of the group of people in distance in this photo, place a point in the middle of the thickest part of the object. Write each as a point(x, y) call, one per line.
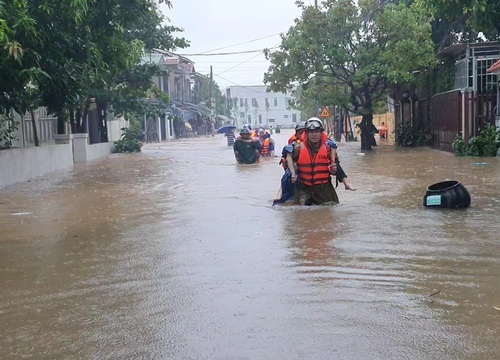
point(250, 145)
point(309, 161)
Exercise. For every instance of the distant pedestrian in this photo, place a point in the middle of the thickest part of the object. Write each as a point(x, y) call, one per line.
point(382, 131)
point(230, 137)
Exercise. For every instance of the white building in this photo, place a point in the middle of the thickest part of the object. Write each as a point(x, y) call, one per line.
point(254, 105)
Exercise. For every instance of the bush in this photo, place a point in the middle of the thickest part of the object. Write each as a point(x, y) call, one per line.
point(486, 143)
point(129, 142)
point(409, 136)
point(8, 128)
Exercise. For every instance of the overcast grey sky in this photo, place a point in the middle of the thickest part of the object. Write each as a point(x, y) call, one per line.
point(213, 24)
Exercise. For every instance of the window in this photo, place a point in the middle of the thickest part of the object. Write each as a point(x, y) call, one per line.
point(285, 116)
point(267, 103)
point(254, 102)
point(246, 102)
point(485, 82)
point(275, 101)
point(242, 115)
point(260, 119)
point(249, 118)
point(294, 118)
point(241, 102)
point(271, 120)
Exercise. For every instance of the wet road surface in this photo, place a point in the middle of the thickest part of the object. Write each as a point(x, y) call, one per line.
point(177, 253)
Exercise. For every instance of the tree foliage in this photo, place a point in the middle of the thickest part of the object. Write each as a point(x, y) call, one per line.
point(350, 53)
point(221, 103)
point(463, 20)
point(62, 54)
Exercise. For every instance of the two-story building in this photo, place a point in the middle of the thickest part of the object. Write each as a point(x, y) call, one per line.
point(185, 114)
point(256, 106)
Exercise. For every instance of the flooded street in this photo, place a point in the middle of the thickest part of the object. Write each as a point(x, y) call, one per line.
point(177, 253)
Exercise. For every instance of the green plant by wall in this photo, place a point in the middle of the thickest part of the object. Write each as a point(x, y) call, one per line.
point(128, 142)
point(486, 143)
point(8, 128)
point(410, 136)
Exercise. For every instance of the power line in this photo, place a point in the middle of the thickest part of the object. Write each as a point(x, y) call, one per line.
point(242, 43)
point(241, 63)
point(232, 82)
point(230, 53)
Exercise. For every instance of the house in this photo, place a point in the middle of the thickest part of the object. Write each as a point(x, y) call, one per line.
point(463, 110)
point(256, 106)
point(186, 113)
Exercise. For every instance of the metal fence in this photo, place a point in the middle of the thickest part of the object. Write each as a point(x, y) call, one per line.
point(459, 113)
point(446, 110)
point(46, 127)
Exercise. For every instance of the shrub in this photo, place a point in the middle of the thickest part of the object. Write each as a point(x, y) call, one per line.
point(128, 142)
point(486, 143)
point(8, 128)
point(410, 136)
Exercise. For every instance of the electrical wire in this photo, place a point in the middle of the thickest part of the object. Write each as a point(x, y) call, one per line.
point(235, 66)
point(242, 43)
point(232, 82)
point(230, 53)
point(243, 62)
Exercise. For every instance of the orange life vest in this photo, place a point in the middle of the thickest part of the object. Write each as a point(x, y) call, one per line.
point(265, 147)
point(313, 170)
point(292, 139)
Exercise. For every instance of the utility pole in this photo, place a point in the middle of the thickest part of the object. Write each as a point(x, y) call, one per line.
point(316, 4)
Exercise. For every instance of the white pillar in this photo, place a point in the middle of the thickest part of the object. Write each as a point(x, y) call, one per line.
point(158, 120)
point(167, 128)
point(80, 143)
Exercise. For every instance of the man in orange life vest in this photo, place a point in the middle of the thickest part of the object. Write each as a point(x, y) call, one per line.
point(316, 162)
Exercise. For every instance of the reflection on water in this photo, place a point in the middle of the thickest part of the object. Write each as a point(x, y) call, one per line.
point(177, 253)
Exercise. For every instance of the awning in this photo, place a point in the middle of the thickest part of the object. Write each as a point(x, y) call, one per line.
point(495, 68)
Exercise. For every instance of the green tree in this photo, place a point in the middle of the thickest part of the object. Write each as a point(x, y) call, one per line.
point(463, 20)
point(222, 106)
point(352, 53)
point(73, 51)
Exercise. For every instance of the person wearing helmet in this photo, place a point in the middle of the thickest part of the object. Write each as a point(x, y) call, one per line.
point(316, 160)
point(246, 149)
point(299, 129)
point(267, 143)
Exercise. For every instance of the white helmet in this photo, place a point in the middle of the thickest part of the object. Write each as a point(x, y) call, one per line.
point(314, 124)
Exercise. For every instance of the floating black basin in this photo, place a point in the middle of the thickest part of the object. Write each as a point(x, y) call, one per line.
point(447, 194)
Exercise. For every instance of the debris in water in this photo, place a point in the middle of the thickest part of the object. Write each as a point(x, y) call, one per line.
point(496, 308)
point(435, 292)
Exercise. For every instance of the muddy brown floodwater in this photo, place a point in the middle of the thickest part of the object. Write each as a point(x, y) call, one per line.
point(177, 253)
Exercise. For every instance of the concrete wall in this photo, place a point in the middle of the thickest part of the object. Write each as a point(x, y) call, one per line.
point(97, 151)
point(114, 127)
point(17, 165)
point(83, 151)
